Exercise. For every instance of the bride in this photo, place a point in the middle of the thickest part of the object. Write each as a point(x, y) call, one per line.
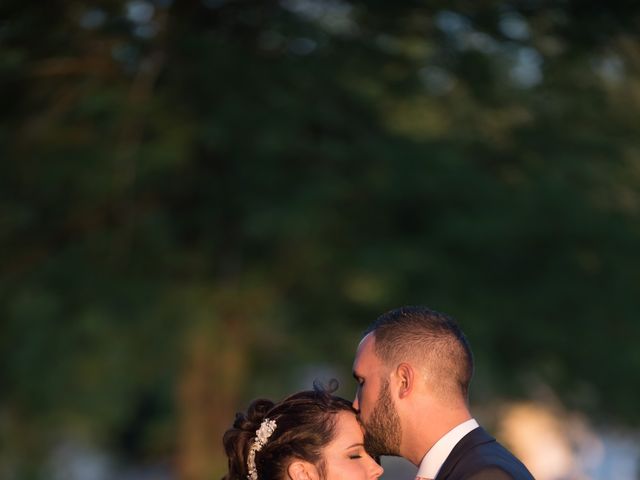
point(311, 435)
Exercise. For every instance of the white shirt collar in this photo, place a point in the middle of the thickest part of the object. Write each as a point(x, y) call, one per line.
point(435, 457)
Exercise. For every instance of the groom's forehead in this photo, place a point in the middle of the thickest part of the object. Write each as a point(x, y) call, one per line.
point(365, 351)
point(368, 337)
point(366, 344)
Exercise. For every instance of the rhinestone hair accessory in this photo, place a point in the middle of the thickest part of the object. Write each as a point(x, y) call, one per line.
point(267, 427)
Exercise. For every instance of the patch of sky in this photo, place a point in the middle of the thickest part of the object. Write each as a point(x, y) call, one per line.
point(332, 15)
point(460, 30)
point(479, 41)
point(139, 11)
point(452, 23)
point(93, 18)
point(514, 26)
point(526, 69)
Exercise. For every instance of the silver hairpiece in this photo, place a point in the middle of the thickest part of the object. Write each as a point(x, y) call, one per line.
point(267, 427)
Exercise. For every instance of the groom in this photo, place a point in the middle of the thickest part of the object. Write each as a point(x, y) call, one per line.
point(413, 369)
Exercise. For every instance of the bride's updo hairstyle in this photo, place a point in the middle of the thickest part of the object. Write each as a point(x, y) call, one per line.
point(305, 424)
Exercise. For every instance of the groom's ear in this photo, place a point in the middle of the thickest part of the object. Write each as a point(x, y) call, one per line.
point(406, 378)
point(301, 470)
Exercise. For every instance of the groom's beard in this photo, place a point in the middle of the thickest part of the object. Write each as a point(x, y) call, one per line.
point(382, 431)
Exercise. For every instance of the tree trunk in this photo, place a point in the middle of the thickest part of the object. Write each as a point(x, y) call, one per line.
point(208, 396)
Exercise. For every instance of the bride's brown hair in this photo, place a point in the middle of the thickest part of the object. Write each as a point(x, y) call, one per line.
point(305, 424)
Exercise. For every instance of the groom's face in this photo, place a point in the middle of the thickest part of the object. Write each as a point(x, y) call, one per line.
point(374, 403)
point(367, 370)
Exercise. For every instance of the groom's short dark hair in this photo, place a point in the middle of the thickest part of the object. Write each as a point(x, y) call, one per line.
point(435, 339)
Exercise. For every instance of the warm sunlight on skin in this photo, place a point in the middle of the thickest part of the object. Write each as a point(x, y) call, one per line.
point(345, 457)
point(366, 370)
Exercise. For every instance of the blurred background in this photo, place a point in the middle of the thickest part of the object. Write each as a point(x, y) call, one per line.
point(207, 201)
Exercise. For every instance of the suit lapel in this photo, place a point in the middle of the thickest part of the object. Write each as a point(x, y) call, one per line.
point(475, 437)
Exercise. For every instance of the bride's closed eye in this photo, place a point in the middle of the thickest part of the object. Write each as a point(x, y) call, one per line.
point(356, 453)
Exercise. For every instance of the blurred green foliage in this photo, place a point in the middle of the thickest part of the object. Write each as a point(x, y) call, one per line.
point(288, 171)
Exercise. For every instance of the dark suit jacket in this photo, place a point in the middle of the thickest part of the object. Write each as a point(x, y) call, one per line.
point(479, 457)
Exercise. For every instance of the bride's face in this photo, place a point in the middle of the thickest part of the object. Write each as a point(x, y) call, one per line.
point(345, 457)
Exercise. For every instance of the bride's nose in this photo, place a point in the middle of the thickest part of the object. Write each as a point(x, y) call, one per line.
point(375, 470)
point(356, 403)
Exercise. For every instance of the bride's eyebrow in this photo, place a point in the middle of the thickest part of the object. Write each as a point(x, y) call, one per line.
point(355, 445)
